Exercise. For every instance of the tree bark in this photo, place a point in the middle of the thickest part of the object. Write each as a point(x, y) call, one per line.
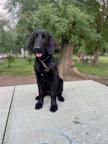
point(100, 23)
point(96, 56)
point(66, 63)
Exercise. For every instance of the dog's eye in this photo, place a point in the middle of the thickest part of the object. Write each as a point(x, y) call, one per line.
point(43, 36)
point(36, 35)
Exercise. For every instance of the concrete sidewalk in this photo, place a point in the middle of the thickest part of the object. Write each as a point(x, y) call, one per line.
point(6, 94)
point(81, 119)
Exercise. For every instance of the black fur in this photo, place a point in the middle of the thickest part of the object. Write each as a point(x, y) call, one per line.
point(49, 82)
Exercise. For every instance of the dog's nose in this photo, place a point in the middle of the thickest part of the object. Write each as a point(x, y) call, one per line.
point(37, 48)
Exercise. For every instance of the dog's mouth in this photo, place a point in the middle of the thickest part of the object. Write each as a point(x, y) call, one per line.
point(38, 54)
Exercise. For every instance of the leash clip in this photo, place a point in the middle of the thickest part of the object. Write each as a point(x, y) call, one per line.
point(45, 66)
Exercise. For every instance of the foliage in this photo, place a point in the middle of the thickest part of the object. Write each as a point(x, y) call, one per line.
point(64, 18)
point(100, 12)
point(7, 37)
point(81, 23)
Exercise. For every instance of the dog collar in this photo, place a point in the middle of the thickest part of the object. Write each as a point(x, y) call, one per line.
point(46, 58)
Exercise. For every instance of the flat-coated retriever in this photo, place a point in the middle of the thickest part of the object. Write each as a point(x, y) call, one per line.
point(42, 44)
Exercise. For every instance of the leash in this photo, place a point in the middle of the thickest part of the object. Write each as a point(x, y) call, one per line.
point(44, 64)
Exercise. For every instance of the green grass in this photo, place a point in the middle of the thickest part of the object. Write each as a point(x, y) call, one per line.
point(100, 69)
point(19, 67)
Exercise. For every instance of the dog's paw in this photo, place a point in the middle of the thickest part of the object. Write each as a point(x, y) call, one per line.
point(54, 108)
point(38, 106)
point(61, 98)
point(37, 98)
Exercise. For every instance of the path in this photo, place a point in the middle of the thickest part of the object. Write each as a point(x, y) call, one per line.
point(81, 119)
point(20, 80)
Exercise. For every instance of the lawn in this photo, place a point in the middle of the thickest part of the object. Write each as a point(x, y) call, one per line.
point(100, 69)
point(22, 67)
point(19, 67)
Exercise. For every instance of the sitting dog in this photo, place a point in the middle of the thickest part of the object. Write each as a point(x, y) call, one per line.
point(42, 44)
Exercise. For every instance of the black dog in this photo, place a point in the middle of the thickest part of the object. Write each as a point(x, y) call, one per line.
point(42, 44)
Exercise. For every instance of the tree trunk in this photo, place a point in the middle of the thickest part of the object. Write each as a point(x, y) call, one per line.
point(96, 56)
point(9, 63)
point(66, 63)
point(99, 26)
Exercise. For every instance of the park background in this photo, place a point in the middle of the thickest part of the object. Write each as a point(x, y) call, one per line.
point(79, 26)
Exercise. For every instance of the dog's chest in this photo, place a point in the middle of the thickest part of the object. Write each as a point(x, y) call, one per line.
point(46, 80)
point(44, 77)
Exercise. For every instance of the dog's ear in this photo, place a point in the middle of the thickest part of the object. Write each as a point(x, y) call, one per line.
point(51, 44)
point(31, 41)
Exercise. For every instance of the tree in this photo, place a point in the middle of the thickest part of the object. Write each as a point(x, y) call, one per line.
point(7, 39)
point(73, 27)
point(99, 9)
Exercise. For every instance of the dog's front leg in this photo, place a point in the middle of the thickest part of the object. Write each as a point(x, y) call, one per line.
point(39, 104)
point(54, 106)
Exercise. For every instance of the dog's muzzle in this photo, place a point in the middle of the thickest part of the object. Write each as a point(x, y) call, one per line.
point(38, 52)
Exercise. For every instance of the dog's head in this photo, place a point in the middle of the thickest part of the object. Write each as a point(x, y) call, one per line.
point(41, 42)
